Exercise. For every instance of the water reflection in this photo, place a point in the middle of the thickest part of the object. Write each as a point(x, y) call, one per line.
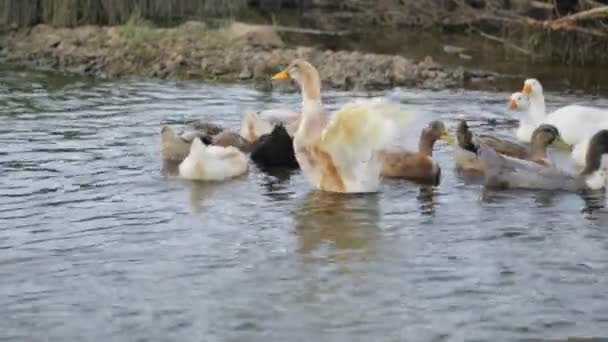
point(275, 183)
point(543, 198)
point(346, 222)
point(201, 193)
point(594, 201)
point(426, 198)
point(169, 168)
point(84, 195)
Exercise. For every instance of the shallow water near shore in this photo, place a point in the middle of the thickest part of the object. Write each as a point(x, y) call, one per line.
point(96, 244)
point(479, 57)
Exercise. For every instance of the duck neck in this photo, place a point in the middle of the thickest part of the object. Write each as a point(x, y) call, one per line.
point(313, 115)
point(536, 111)
point(526, 119)
point(538, 150)
point(425, 145)
point(311, 88)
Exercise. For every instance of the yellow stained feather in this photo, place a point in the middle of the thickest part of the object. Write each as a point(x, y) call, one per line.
point(353, 137)
point(364, 122)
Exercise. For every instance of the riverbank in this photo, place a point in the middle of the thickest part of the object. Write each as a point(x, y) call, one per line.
point(234, 53)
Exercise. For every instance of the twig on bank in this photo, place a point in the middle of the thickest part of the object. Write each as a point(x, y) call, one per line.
point(504, 42)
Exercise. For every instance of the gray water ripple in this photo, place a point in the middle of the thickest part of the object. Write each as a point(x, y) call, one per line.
point(95, 243)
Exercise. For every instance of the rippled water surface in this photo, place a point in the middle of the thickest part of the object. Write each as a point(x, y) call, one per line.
point(97, 245)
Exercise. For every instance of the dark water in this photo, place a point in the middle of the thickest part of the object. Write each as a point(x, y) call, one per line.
point(97, 245)
point(484, 57)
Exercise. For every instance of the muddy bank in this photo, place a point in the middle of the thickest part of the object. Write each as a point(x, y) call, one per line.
point(237, 53)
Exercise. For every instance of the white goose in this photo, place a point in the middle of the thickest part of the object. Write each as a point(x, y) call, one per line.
point(340, 154)
point(574, 122)
point(521, 103)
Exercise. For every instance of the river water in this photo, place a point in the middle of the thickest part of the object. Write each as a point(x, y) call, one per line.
point(96, 244)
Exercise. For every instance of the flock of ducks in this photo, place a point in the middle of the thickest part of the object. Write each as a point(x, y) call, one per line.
point(349, 151)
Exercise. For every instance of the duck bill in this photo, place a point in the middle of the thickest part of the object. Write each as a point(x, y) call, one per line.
point(561, 144)
point(445, 136)
point(527, 89)
point(512, 104)
point(283, 75)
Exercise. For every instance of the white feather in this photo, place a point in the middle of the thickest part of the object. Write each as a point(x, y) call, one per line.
point(254, 125)
point(213, 163)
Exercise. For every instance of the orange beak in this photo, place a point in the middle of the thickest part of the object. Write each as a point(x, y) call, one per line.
point(512, 104)
point(283, 75)
point(527, 89)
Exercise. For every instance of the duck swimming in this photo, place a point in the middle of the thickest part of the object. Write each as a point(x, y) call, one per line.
point(175, 147)
point(417, 166)
point(256, 124)
point(574, 122)
point(206, 127)
point(506, 172)
point(228, 138)
point(338, 154)
point(466, 152)
point(212, 163)
point(274, 149)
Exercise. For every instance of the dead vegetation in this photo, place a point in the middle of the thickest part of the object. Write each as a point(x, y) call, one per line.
point(568, 31)
point(574, 31)
point(70, 13)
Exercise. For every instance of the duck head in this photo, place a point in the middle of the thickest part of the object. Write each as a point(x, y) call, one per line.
point(167, 132)
point(465, 137)
point(430, 134)
point(436, 130)
point(305, 75)
point(596, 170)
point(545, 135)
point(542, 137)
point(519, 101)
point(532, 87)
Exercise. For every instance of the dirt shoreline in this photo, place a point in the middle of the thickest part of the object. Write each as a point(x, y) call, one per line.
point(237, 53)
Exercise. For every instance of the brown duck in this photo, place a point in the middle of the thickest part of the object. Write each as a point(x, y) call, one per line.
point(466, 156)
point(416, 166)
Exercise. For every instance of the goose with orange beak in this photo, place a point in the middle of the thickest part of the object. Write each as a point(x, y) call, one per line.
point(340, 153)
point(525, 132)
point(520, 102)
point(574, 122)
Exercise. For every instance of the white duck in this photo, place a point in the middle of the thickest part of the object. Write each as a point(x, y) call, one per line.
point(574, 122)
point(256, 124)
point(175, 148)
point(521, 103)
point(340, 154)
point(506, 172)
point(212, 163)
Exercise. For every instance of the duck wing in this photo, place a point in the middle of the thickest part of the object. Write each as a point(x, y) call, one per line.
point(206, 128)
point(506, 172)
point(504, 146)
point(354, 137)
